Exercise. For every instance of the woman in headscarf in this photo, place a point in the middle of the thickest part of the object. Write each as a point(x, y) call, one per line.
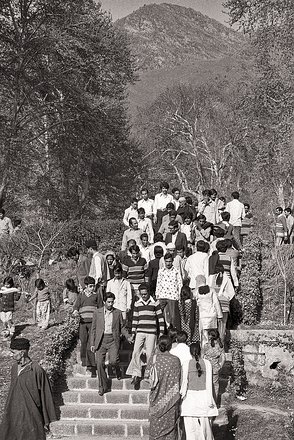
point(165, 393)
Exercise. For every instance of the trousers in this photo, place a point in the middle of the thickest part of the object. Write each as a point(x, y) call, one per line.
point(87, 357)
point(149, 340)
point(198, 428)
point(109, 346)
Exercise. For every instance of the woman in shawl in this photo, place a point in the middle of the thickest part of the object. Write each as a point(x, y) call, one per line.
point(165, 393)
point(189, 315)
point(198, 405)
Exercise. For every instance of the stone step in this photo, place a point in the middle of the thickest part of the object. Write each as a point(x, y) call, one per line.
point(114, 397)
point(104, 411)
point(109, 428)
point(82, 382)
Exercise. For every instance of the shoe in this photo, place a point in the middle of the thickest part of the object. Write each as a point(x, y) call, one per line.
point(118, 373)
point(136, 382)
point(101, 392)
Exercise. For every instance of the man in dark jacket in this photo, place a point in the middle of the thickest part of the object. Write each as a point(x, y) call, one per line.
point(107, 326)
point(176, 237)
point(29, 407)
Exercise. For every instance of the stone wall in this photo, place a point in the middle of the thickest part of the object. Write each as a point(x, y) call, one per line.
point(266, 352)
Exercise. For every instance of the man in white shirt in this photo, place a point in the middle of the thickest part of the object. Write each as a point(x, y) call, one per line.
point(197, 264)
point(237, 213)
point(146, 203)
point(131, 212)
point(208, 207)
point(160, 201)
point(98, 268)
point(181, 350)
point(145, 224)
point(133, 233)
point(176, 195)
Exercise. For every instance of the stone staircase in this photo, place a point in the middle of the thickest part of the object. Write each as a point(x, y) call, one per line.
point(121, 413)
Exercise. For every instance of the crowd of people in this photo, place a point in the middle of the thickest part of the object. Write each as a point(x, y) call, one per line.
point(168, 292)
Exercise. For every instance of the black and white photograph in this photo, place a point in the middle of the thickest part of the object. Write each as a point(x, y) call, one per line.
point(146, 219)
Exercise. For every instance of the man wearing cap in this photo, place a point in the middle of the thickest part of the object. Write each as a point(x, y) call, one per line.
point(29, 407)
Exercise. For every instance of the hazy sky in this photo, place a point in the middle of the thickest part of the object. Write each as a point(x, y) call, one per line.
point(120, 8)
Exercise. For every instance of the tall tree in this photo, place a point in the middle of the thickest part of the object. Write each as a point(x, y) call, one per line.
point(270, 105)
point(197, 133)
point(63, 124)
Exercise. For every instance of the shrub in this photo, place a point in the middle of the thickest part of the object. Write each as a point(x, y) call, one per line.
point(250, 295)
point(239, 378)
point(59, 348)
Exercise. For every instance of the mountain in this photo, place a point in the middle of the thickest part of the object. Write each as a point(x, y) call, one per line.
point(166, 35)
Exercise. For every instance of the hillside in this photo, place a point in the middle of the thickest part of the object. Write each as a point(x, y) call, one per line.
point(165, 36)
point(152, 83)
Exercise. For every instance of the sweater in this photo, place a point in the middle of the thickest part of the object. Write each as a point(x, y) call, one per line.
point(146, 316)
point(86, 306)
point(135, 271)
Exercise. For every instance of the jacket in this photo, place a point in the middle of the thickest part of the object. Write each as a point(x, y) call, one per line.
point(181, 240)
point(97, 329)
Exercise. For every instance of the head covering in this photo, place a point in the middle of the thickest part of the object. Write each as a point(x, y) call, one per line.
point(91, 244)
point(182, 199)
point(20, 344)
point(108, 253)
point(170, 246)
point(203, 290)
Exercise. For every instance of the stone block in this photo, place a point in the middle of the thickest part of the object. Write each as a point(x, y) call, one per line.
point(74, 412)
point(104, 413)
point(112, 429)
point(117, 397)
point(70, 397)
point(91, 397)
point(139, 398)
point(62, 428)
point(77, 383)
point(135, 413)
point(84, 429)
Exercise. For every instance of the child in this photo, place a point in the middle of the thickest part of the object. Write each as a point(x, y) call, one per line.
point(70, 293)
point(189, 315)
point(122, 291)
point(8, 295)
point(213, 351)
point(87, 302)
point(188, 229)
point(209, 308)
point(42, 295)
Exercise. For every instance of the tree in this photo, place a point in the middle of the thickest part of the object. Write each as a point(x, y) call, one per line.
point(63, 123)
point(197, 133)
point(269, 23)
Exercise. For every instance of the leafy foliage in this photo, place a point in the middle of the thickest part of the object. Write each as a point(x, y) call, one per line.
point(63, 122)
point(59, 348)
point(250, 295)
point(239, 378)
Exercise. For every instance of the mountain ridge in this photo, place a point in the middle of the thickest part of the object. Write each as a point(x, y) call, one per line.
point(166, 35)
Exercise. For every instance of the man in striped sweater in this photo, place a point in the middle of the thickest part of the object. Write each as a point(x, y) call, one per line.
point(147, 319)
